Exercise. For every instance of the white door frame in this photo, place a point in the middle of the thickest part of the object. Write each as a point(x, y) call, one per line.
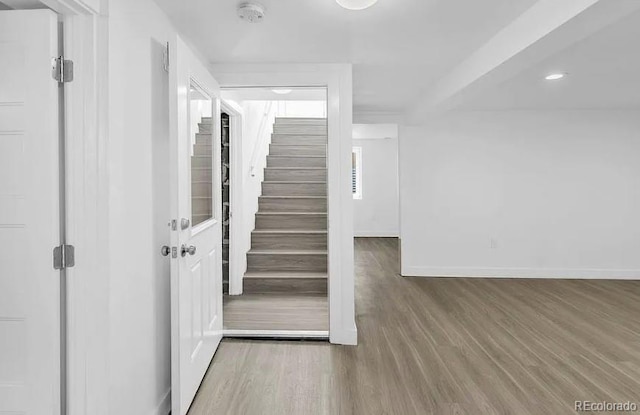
point(87, 215)
point(237, 257)
point(337, 78)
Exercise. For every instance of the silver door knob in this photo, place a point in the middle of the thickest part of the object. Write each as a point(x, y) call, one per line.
point(165, 250)
point(191, 250)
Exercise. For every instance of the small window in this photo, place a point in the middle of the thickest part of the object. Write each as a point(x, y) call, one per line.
point(202, 129)
point(356, 173)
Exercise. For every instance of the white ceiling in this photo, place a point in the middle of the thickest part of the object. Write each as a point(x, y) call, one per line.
point(267, 94)
point(603, 72)
point(399, 48)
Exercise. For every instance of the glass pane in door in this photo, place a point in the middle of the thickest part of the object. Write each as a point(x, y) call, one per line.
point(201, 135)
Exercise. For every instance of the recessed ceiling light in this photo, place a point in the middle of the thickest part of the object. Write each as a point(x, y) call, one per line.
point(554, 76)
point(281, 91)
point(356, 4)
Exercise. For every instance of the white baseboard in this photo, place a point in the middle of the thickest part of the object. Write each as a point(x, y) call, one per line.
point(557, 273)
point(164, 407)
point(347, 337)
point(284, 334)
point(375, 234)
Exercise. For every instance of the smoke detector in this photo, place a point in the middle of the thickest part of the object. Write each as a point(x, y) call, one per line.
point(251, 12)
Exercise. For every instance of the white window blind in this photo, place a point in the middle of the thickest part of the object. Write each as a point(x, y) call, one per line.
point(356, 172)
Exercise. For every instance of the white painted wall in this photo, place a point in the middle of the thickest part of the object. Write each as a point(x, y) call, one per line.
point(531, 194)
point(312, 109)
point(139, 308)
point(257, 126)
point(377, 213)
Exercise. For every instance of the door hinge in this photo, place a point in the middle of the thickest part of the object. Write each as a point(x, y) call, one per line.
point(62, 69)
point(64, 256)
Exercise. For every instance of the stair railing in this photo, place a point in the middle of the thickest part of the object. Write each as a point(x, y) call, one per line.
point(261, 141)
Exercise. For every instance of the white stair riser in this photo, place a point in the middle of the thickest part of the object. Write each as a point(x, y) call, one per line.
point(292, 204)
point(275, 240)
point(286, 262)
point(286, 161)
point(289, 221)
point(294, 189)
point(289, 139)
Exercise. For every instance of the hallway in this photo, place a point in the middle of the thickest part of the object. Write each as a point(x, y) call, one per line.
point(444, 346)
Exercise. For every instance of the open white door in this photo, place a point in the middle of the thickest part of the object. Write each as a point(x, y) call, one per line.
point(29, 214)
point(196, 198)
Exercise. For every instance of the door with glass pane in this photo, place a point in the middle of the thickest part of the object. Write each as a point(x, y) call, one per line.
point(196, 271)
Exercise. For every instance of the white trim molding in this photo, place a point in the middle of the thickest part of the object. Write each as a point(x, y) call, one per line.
point(164, 407)
point(337, 78)
point(550, 273)
point(279, 334)
point(237, 253)
point(87, 203)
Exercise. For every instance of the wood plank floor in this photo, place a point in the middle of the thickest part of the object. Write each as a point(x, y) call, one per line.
point(444, 346)
point(276, 312)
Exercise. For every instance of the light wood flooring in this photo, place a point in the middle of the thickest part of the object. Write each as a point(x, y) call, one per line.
point(444, 346)
point(276, 312)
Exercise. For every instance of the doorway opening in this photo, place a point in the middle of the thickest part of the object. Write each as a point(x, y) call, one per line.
point(226, 201)
point(277, 222)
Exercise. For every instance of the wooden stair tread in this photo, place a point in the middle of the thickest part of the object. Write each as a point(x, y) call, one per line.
point(295, 181)
point(295, 168)
point(296, 155)
point(293, 197)
point(291, 231)
point(284, 274)
point(298, 145)
point(287, 252)
point(292, 213)
point(300, 118)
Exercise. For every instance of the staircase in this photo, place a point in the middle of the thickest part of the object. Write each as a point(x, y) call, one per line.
point(289, 244)
point(201, 174)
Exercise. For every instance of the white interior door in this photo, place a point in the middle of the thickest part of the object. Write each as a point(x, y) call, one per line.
point(29, 214)
point(196, 198)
